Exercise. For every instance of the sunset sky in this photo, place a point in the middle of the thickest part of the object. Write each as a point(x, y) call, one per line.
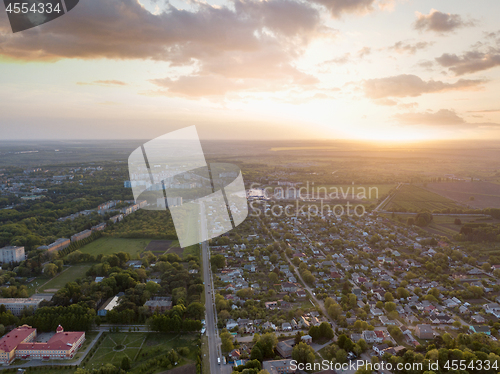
point(249, 69)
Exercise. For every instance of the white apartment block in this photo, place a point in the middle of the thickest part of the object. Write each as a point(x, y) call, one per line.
point(11, 254)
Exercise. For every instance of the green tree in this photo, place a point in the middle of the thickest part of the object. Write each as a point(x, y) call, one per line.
point(125, 363)
point(303, 353)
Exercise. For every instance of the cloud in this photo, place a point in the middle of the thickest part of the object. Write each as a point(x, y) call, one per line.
point(338, 60)
point(365, 51)
point(440, 118)
point(257, 41)
point(484, 111)
point(347, 58)
point(403, 47)
point(440, 22)
point(103, 83)
point(426, 65)
point(386, 102)
point(406, 85)
point(338, 8)
point(408, 105)
point(470, 62)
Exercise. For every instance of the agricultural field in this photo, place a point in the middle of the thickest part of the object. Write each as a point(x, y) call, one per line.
point(477, 195)
point(445, 225)
point(410, 198)
point(109, 245)
point(142, 349)
point(67, 275)
point(160, 247)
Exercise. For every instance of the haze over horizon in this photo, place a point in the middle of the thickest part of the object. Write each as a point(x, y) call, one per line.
point(379, 70)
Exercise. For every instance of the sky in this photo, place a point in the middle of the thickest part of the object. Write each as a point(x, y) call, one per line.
point(380, 70)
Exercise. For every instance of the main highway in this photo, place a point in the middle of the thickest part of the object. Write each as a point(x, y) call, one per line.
point(212, 332)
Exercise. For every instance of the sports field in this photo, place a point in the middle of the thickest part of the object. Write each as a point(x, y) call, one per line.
point(111, 245)
point(67, 275)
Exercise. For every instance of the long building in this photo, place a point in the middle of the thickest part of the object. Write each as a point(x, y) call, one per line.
point(59, 244)
point(11, 254)
point(20, 343)
point(16, 306)
point(81, 235)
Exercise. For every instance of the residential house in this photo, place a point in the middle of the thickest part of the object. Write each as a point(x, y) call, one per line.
point(423, 331)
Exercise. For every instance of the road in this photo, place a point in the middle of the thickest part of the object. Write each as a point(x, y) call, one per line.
point(388, 198)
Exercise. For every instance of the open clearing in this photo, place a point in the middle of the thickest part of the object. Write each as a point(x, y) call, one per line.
point(485, 194)
point(109, 245)
point(68, 275)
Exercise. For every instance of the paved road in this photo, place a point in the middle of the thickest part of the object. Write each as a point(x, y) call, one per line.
point(211, 314)
point(388, 198)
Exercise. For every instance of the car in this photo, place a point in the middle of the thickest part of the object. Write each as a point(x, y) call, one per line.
point(209, 292)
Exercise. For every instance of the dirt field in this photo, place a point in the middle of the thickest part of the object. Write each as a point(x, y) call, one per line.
point(485, 194)
point(159, 247)
point(177, 250)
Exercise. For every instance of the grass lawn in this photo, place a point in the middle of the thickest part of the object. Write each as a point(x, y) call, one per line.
point(141, 347)
point(68, 275)
point(111, 245)
point(36, 283)
point(205, 354)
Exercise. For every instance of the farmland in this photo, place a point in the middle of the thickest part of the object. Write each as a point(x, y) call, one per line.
point(109, 245)
point(160, 247)
point(411, 198)
point(477, 195)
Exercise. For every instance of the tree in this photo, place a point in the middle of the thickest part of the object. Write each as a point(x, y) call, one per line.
point(273, 277)
point(326, 331)
point(303, 353)
point(195, 310)
point(227, 341)
point(219, 261)
point(402, 293)
point(458, 221)
point(256, 353)
point(50, 270)
point(486, 267)
point(390, 306)
point(125, 363)
point(388, 296)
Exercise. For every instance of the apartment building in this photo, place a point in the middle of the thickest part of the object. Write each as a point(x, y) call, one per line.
point(11, 254)
point(16, 306)
point(81, 235)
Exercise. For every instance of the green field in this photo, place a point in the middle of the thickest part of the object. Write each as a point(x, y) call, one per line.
point(68, 275)
point(140, 348)
point(111, 245)
point(410, 198)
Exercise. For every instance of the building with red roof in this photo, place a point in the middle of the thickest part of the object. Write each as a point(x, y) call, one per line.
point(10, 341)
point(20, 343)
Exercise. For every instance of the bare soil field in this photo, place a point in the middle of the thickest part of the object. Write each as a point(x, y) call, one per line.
point(158, 247)
point(485, 194)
